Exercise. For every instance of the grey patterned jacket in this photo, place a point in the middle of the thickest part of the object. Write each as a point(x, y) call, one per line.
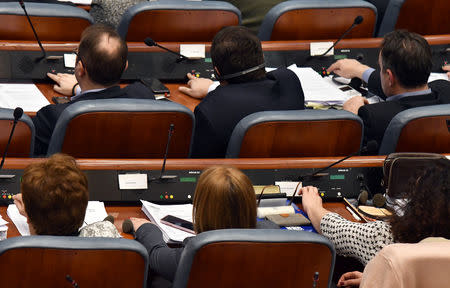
point(100, 229)
point(110, 11)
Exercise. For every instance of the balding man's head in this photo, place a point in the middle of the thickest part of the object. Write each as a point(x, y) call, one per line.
point(103, 54)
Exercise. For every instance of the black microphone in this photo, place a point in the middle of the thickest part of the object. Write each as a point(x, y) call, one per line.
point(371, 147)
point(127, 227)
point(71, 281)
point(358, 20)
point(44, 54)
point(162, 177)
point(18, 112)
point(150, 42)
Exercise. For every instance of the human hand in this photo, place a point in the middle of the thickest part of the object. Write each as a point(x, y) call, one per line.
point(64, 82)
point(312, 205)
point(350, 279)
point(348, 68)
point(19, 204)
point(138, 222)
point(310, 199)
point(447, 68)
point(353, 104)
point(197, 87)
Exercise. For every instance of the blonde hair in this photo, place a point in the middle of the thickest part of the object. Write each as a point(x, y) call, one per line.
point(224, 198)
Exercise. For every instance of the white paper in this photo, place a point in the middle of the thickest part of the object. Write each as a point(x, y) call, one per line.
point(317, 89)
point(193, 51)
point(19, 220)
point(156, 212)
point(70, 60)
point(26, 96)
point(79, 2)
point(288, 187)
point(318, 48)
point(437, 76)
point(2, 221)
point(95, 212)
point(133, 181)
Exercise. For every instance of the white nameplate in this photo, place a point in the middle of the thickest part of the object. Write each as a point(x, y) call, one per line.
point(69, 60)
point(133, 181)
point(288, 187)
point(193, 51)
point(318, 48)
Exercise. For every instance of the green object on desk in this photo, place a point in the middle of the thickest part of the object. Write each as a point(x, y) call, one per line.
point(188, 179)
point(339, 57)
point(337, 177)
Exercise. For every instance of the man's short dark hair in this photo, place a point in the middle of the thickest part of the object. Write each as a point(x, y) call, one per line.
point(104, 64)
point(235, 49)
point(408, 56)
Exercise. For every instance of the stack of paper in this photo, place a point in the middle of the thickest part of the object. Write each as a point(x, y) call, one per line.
point(95, 212)
point(18, 220)
point(156, 212)
point(318, 90)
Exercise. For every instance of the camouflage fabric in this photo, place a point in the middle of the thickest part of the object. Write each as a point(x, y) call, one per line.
point(100, 229)
point(110, 11)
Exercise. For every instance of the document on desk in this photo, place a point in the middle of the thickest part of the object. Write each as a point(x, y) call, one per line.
point(26, 96)
point(317, 89)
point(156, 212)
point(79, 2)
point(19, 220)
point(95, 212)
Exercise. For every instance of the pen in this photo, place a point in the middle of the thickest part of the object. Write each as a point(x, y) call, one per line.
point(353, 213)
point(353, 210)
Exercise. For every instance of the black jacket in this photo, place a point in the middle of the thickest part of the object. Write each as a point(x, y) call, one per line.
point(46, 118)
point(220, 111)
point(376, 117)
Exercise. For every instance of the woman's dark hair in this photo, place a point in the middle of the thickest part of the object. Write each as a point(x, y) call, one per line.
point(427, 213)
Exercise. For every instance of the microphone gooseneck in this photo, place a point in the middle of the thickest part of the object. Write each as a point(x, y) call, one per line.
point(44, 53)
point(371, 147)
point(358, 20)
point(18, 112)
point(150, 42)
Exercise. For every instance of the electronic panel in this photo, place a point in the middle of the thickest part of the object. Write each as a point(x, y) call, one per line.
point(27, 65)
point(104, 184)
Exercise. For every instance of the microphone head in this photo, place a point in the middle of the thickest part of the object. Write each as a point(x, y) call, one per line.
point(18, 112)
point(127, 226)
point(371, 147)
point(109, 218)
point(149, 42)
point(379, 200)
point(358, 20)
point(363, 197)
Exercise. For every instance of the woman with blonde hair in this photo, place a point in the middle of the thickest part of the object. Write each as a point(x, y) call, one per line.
point(224, 198)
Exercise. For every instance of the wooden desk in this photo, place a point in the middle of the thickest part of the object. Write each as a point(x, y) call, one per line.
point(120, 213)
point(124, 212)
point(181, 98)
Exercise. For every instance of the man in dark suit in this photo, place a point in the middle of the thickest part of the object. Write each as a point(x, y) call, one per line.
point(405, 62)
point(245, 88)
point(100, 62)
